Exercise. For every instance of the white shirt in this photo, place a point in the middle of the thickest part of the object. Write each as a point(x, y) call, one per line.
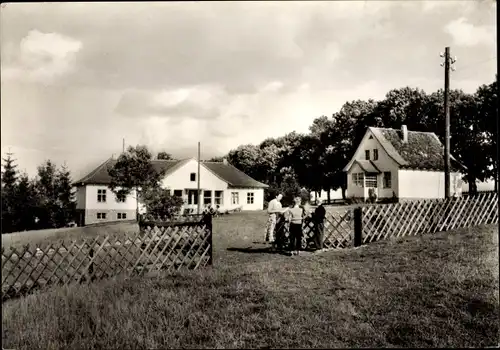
point(273, 206)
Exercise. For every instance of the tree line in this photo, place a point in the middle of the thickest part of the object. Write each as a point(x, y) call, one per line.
point(315, 160)
point(45, 201)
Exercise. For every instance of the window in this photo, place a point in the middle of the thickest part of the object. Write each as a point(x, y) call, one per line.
point(193, 176)
point(101, 216)
point(193, 197)
point(218, 198)
point(375, 154)
point(207, 197)
point(357, 179)
point(367, 154)
point(371, 181)
point(101, 196)
point(387, 179)
point(250, 197)
point(178, 193)
point(371, 137)
point(120, 200)
point(235, 198)
point(122, 216)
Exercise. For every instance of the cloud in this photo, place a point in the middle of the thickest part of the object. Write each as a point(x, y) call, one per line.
point(82, 76)
point(468, 34)
point(197, 102)
point(41, 57)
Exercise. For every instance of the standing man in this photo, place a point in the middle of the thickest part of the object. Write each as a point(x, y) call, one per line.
point(274, 208)
point(319, 224)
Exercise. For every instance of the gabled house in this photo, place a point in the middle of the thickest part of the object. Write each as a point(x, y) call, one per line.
point(221, 184)
point(401, 163)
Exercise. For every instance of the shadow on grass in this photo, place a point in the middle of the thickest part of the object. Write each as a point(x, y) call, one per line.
point(251, 250)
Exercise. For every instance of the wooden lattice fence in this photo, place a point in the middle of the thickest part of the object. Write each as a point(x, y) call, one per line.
point(338, 230)
point(427, 216)
point(159, 246)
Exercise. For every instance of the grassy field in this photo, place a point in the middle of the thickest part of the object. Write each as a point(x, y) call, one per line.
point(430, 291)
point(44, 237)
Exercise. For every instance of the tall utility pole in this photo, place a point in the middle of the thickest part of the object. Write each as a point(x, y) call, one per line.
point(123, 145)
point(447, 65)
point(198, 177)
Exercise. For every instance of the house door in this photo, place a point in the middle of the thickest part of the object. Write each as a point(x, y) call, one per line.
point(193, 197)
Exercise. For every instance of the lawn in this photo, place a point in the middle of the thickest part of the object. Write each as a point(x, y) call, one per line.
point(45, 237)
point(436, 290)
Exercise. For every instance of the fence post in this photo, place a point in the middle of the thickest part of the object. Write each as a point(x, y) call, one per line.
point(91, 267)
point(208, 226)
point(358, 226)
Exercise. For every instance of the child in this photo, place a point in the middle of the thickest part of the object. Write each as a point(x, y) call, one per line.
point(296, 215)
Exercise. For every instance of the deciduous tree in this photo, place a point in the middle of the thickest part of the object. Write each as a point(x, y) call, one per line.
point(134, 171)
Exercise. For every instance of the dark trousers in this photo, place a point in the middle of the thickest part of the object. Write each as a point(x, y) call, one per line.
point(319, 228)
point(295, 236)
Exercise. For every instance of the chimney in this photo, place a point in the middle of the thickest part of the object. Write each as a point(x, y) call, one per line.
point(224, 161)
point(404, 131)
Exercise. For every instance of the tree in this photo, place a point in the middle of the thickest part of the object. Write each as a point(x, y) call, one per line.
point(401, 106)
point(288, 187)
point(27, 203)
point(216, 159)
point(64, 197)
point(134, 171)
point(244, 157)
point(9, 187)
point(306, 163)
point(164, 156)
point(46, 188)
point(487, 112)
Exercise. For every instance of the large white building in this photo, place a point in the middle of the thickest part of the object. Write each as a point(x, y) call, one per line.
point(220, 184)
point(401, 163)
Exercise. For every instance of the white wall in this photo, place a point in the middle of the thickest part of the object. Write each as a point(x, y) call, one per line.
point(111, 203)
point(353, 190)
point(323, 195)
point(180, 178)
point(488, 185)
point(384, 163)
point(420, 184)
point(258, 203)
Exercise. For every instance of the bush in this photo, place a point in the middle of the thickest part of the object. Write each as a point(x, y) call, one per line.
point(159, 203)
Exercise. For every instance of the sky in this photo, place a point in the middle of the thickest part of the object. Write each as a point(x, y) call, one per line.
point(78, 78)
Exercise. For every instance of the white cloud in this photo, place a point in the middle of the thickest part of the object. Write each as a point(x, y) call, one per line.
point(467, 34)
point(42, 57)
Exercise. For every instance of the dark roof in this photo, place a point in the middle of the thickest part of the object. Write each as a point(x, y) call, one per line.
point(226, 172)
point(423, 150)
point(100, 176)
point(232, 175)
point(368, 166)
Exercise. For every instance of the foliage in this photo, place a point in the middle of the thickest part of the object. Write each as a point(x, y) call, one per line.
point(40, 203)
point(317, 159)
point(160, 203)
point(164, 156)
point(134, 171)
point(9, 179)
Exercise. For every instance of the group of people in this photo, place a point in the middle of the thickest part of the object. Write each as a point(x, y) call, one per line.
point(295, 215)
